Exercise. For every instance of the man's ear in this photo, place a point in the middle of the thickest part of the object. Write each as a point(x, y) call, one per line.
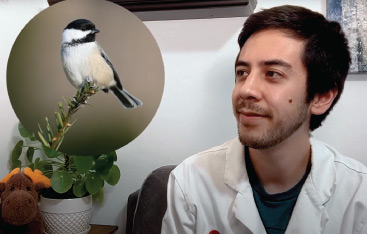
point(322, 102)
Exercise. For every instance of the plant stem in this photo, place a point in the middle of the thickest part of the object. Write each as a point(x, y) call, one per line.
point(63, 122)
point(66, 125)
point(67, 162)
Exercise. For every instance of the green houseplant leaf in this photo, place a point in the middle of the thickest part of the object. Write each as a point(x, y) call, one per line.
point(17, 151)
point(114, 176)
point(24, 133)
point(93, 183)
point(114, 155)
point(30, 153)
point(44, 166)
point(51, 153)
point(83, 163)
point(104, 164)
point(61, 181)
point(79, 188)
point(15, 164)
point(99, 196)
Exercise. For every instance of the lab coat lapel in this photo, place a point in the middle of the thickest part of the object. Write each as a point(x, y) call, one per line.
point(309, 215)
point(235, 176)
point(246, 212)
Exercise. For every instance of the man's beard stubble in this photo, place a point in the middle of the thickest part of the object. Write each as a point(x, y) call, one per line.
point(277, 134)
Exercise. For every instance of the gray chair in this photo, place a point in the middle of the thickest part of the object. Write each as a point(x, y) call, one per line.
point(147, 205)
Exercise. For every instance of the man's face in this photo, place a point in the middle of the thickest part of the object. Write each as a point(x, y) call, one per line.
point(269, 97)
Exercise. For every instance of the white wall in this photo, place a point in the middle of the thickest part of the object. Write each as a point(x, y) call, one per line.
point(195, 112)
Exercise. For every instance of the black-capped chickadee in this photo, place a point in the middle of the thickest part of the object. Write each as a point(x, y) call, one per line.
point(85, 61)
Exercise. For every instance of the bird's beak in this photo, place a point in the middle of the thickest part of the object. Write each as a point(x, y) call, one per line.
point(95, 31)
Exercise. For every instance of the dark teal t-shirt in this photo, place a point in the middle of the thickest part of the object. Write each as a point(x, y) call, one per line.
point(275, 209)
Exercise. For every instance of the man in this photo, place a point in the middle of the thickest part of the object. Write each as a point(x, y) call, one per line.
point(276, 178)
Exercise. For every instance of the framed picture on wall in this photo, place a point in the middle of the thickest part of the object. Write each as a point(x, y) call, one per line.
point(352, 15)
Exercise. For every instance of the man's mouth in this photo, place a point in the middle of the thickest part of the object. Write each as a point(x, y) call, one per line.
point(251, 118)
point(252, 114)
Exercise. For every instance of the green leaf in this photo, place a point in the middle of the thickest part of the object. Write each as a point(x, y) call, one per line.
point(17, 151)
point(104, 164)
point(24, 132)
point(15, 164)
point(114, 155)
point(30, 153)
point(45, 167)
point(93, 183)
point(79, 188)
point(50, 152)
point(40, 134)
point(59, 121)
point(61, 181)
point(83, 163)
point(114, 176)
point(99, 196)
point(31, 165)
point(50, 134)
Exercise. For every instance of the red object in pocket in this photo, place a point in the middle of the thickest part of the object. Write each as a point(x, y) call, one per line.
point(214, 232)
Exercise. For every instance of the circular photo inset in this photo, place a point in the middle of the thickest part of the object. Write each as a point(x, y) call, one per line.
point(93, 69)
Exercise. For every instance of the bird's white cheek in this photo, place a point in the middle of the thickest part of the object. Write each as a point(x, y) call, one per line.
point(73, 34)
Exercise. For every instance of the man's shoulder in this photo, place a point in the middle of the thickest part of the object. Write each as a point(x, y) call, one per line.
point(341, 162)
point(351, 164)
point(211, 154)
point(216, 149)
point(207, 160)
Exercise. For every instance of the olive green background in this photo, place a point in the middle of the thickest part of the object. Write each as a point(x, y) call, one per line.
point(36, 80)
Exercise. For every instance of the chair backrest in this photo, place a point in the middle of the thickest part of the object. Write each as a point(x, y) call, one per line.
point(151, 203)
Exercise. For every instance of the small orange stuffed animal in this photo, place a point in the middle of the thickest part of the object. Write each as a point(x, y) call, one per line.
point(19, 211)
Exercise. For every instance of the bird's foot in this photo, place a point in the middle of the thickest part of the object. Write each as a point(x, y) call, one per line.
point(77, 103)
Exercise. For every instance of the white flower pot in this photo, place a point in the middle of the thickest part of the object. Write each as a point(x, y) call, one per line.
point(70, 216)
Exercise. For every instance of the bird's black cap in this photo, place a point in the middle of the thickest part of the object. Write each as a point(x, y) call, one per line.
point(81, 24)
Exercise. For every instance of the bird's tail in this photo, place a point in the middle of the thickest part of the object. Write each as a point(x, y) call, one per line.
point(127, 100)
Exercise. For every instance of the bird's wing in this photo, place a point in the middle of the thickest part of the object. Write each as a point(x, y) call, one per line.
point(108, 61)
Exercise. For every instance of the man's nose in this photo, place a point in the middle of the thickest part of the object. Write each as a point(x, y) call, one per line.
point(251, 88)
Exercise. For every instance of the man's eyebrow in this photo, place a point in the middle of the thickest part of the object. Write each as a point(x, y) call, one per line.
point(277, 62)
point(272, 62)
point(242, 63)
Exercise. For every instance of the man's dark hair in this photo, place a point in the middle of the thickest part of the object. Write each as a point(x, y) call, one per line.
point(326, 55)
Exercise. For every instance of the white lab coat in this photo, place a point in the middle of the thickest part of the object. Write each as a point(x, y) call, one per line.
point(211, 191)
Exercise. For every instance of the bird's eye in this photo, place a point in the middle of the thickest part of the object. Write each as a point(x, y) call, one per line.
point(12, 188)
point(28, 188)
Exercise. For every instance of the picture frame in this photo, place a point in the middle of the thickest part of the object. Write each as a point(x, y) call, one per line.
point(352, 17)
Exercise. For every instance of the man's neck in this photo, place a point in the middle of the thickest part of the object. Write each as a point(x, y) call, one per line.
point(281, 167)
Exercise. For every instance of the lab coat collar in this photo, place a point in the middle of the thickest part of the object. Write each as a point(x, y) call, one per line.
point(309, 209)
point(235, 176)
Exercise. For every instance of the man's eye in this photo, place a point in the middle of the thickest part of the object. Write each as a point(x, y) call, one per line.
point(241, 73)
point(273, 74)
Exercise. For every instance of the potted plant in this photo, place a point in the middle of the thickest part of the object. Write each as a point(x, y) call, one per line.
point(71, 176)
